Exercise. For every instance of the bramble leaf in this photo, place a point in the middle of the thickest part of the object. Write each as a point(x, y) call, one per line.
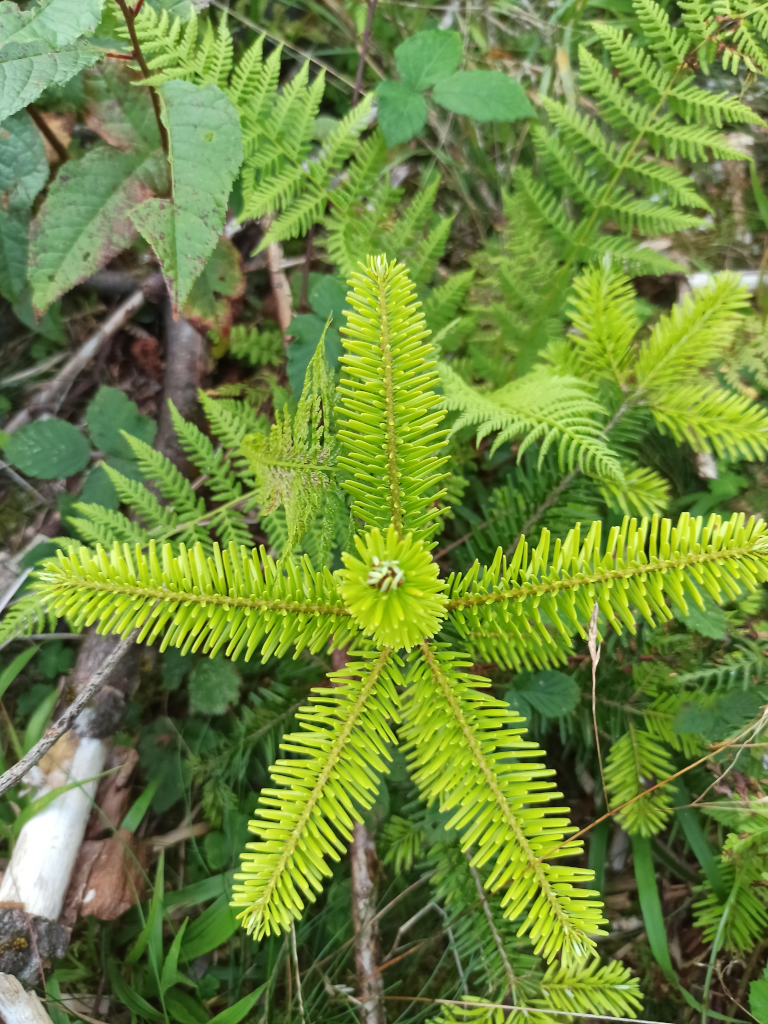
point(206, 151)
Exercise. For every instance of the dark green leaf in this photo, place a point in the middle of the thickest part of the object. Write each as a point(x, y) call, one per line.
point(48, 449)
point(758, 999)
point(174, 666)
point(216, 850)
point(235, 1013)
point(98, 489)
point(307, 330)
point(209, 303)
point(213, 685)
point(709, 621)
point(210, 930)
point(108, 413)
point(402, 112)
point(8, 674)
point(484, 96)
point(14, 243)
point(23, 164)
point(171, 961)
point(549, 692)
point(122, 115)
point(693, 717)
point(328, 297)
point(184, 1008)
point(428, 57)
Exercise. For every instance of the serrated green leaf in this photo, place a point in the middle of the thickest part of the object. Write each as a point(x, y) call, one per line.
point(427, 57)
point(549, 692)
point(84, 221)
point(213, 686)
point(402, 112)
point(693, 718)
point(758, 1000)
point(122, 115)
point(26, 69)
point(710, 621)
point(55, 22)
point(48, 449)
point(108, 413)
point(14, 243)
point(209, 303)
point(483, 96)
point(23, 164)
point(206, 151)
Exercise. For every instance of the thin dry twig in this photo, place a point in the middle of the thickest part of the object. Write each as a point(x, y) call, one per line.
point(295, 954)
point(16, 773)
point(594, 654)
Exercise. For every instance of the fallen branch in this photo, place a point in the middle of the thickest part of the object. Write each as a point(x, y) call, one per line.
point(365, 868)
point(54, 391)
point(17, 1006)
point(15, 774)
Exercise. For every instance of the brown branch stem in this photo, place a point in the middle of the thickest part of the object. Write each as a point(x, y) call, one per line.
point(45, 130)
point(365, 47)
point(15, 774)
point(130, 18)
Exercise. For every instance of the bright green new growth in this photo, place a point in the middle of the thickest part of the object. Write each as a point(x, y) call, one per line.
point(465, 747)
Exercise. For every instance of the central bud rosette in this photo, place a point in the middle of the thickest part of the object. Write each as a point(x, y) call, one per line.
point(393, 589)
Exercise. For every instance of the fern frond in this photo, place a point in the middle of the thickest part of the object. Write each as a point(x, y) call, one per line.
point(642, 566)
point(310, 818)
point(695, 333)
point(664, 131)
point(222, 480)
point(168, 478)
point(105, 526)
point(670, 43)
point(649, 216)
point(174, 52)
point(389, 412)
point(537, 407)
point(403, 839)
point(230, 420)
point(458, 741)
point(602, 309)
point(237, 601)
point(713, 420)
point(297, 462)
point(30, 614)
point(136, 496)
point(644, 492)
point(584, 136)
point(743, 874)
point(636, 762)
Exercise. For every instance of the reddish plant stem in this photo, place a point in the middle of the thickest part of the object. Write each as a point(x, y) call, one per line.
point(130, 17)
